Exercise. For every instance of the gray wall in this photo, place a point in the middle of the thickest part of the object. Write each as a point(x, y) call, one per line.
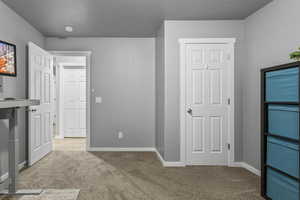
point(16, 30)
point(122, 74)
point(271, 33)
point(197, 29)
point(160, 90)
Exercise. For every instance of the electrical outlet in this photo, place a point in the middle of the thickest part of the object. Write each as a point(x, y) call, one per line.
point(120, 134)
point(98, 100)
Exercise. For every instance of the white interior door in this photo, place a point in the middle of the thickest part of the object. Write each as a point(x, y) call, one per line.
point(74, 101)
point(40, 83)
point(207, 95)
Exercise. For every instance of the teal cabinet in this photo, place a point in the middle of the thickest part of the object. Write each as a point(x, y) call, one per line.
point(280, 135)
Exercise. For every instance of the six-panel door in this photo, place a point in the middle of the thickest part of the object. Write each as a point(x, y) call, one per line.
point(74, 101)
point(207, 96)
point(40, 85)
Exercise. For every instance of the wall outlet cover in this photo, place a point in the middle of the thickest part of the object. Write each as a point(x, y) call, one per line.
point(120, 135)
point(98, 100)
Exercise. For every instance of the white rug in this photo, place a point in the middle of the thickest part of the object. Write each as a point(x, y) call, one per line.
point(52, 194)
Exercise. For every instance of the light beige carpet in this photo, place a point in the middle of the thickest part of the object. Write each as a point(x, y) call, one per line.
point(54, 195)
point(69, 144)
point(136, 176)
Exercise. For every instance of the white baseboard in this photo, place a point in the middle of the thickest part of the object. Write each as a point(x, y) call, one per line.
point(248, 167)
point(59, 137)
point(137, 149)
point(5, 176)
point(146, 149)
point(169, 163)
point(116, 149)
point(237, 164)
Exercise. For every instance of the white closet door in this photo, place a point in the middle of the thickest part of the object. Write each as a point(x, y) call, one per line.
point(207, 106)
point(74, 101)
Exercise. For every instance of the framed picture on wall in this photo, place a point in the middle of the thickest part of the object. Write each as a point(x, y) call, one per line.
point(8, 61)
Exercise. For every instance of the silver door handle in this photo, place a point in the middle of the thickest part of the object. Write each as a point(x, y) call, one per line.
point(190, 111)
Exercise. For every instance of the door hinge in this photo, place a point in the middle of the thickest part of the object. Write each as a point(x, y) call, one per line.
point(228, 146)
point(228, 101)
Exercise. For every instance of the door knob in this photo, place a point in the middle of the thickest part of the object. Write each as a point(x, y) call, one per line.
point(190, 111)
point(31, 110)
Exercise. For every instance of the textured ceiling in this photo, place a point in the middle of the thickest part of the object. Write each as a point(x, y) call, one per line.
point(124, 18)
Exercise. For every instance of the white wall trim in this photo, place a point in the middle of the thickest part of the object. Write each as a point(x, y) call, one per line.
point(247, 167)
point(60, 136)
point(231, 136)
point(169, 163)
point(5, 176)
point(146, 149)
point(138, 149)
point(117, 149)
point(88, 55)
point(207, 40)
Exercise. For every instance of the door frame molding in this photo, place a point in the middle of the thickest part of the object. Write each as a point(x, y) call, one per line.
point(88, 55)
point(59, 96)
point(231, 129)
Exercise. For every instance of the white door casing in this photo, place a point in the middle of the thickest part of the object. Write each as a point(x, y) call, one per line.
point(207, 101)
point(73, 85)
point(88, 55)
point(40, 84)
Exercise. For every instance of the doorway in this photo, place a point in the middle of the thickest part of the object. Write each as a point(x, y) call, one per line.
point(71, 85)
point(207, 101)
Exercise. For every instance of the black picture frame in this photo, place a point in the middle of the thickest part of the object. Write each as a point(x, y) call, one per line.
point(15, 59)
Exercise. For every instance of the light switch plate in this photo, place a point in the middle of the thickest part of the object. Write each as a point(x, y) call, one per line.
point(98, 100)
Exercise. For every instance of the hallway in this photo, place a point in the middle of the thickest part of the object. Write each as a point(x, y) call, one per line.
point(69, 144)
